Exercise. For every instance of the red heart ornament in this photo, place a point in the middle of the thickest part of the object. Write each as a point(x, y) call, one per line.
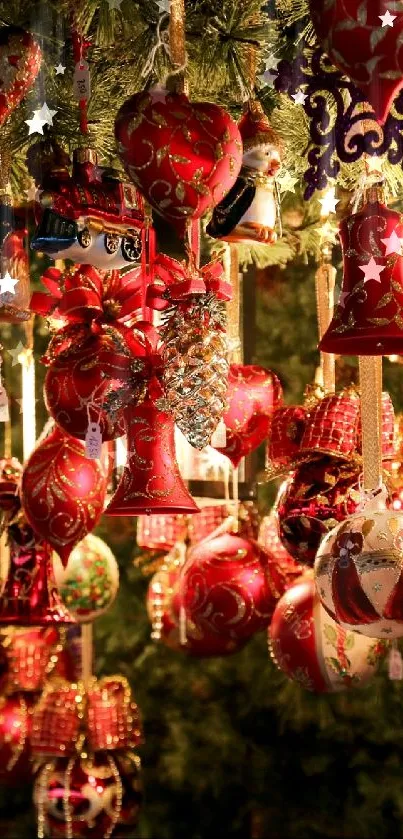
point(352, 34)
point(20, 61)
point(183, 156)
point(62, 491)
point(253, 395)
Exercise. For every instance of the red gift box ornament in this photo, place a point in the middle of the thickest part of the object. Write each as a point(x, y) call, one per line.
point(62, 491)
point(183, 156)
point(20, 59)
point(151, 481)
point(333, 426)
point(160, 532)
point(32, 656)
point(103, 714)
point(368, 319)
point(362, 46)
point(253, 395)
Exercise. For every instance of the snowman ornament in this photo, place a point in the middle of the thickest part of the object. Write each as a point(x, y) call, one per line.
point(249, 212)
point(90, 216)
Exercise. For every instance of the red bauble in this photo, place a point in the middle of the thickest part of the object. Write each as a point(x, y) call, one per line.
point(15, 728)
point(100, 796)
point(20, 60)
point(163, 606)
point(184, 156)
point(151, 481)
point(62, 491)
point(367, 320)
point(253, 395)
point(226, 587)
point(321, 492)
point(371, 54)
point(310, 648)
point(76, 384)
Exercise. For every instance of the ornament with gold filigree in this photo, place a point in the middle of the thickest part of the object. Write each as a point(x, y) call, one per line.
point(195, 366)
point(95, 351)
point(84, 736)
point(313, 650)
point(368, 319)
point(249, 212)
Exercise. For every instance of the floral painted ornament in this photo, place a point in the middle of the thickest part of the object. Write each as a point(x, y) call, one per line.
point(89, 583)
point(359, 573)
point(363, 45)
point(313, 650)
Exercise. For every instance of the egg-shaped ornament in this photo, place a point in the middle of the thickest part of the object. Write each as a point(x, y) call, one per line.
point(321, 493)
point(249, 213)
point(89, 583)
point(359, 571)
point(313, 650)
point(89, 796)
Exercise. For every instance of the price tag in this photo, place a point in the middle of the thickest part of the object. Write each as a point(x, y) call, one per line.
point(4, 411)
point(93, 441)
point(82, 81)
point(395, 665)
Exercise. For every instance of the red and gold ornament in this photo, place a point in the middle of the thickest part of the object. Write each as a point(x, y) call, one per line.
point(183, 156)
point(229, 587)
point(94, 796)
point(15, 729)
point(62, 491)
point(270, 540)
point(313, 650)
point(359, 571)
point(363, 47)
point(160, 532)
point(15, 308)
point(319, 494)
point(252, 397)
point(20, 61)
point(368, 319)
point(164, 610)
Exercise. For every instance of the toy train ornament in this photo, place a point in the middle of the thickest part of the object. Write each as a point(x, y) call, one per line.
point(89, 216)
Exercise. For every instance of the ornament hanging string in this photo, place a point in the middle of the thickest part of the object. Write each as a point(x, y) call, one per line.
point(371, 409)
point(27, 361)
point(325, 278)
point(81, 83)
point(87, 653)
point(177, 45)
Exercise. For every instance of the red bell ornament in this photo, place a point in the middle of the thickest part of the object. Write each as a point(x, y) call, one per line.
point(287, 429)
point(313, 650)
point(363, 46)
point(369, 314)
point(321, 492)
point(359, 572)
point(226, 587)
point(28, 592)
point(332, 427)
point(253, 395)
point(62, 491)
point(151, 481)
point(183, 156)
point(93, 796)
